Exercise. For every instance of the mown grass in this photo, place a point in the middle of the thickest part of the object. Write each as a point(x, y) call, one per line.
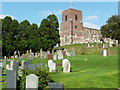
point(90, 70)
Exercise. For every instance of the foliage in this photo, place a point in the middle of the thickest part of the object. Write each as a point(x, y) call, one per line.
point(111, 28)
point(24, 36)
point(43, 78)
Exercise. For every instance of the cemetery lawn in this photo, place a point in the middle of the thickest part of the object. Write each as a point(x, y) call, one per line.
point(88, 71)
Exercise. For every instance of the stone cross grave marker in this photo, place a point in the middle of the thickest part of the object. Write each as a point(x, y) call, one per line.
point(55, 86)
point(32, 67)
point(11, 64)
point(11, 79)
point(66, 65)
point(32, 81)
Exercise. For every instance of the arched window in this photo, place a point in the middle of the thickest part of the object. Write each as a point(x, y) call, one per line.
point(76, 17)
point(65, 17)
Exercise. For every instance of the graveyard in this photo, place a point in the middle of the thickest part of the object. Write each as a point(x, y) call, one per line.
point(88, 67)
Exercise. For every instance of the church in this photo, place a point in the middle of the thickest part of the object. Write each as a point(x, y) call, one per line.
point(72, 30)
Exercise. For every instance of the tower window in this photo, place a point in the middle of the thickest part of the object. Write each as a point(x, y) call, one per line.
point(65, 17)
point(75, 26)
point(76, 17)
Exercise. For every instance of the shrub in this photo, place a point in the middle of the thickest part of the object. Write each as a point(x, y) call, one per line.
point(43, 77)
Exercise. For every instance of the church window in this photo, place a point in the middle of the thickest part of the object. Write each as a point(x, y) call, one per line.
point(75, 26)
point(65, 17)
point(76, 17)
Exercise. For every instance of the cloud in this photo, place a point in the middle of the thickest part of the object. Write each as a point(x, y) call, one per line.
point(46, 13)
point(3, 16)
point(91, 18)
point(90, 25)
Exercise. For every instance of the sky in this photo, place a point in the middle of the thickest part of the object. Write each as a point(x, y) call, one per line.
point(94, 14)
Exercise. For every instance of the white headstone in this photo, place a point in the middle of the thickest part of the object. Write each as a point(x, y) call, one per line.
point(66, 65)
point(104, 52)
point(51, 65)
point(55, 57)
point(32, 81)
point(60, 55)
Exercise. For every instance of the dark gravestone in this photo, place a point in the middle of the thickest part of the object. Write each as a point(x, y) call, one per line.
point(15, 65)
point(11, 79)
point(56, 86)
point(1, 71)
point(39, 65)
point(26, 64)
point(32, 67)
point(4, 62)
point(50, 56)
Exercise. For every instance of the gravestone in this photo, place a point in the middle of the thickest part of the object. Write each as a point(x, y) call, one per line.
point(4, 62)
point(55, 57)
point(32, 67)
point(52, 67)
point(32, 81)
point(60, 55)
point(50, 63)
point(22, 63)
point(26, 64)
point(15, 65)
point(11, 79)
point(50, 56)
point(66, 65)
point(39, 65)
point(64, 53)
point(1, 71)
point(55, 86)
point(104, 52)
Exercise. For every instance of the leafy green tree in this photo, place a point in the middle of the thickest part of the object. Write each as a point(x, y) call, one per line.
point(49, 31)
point(111, 28)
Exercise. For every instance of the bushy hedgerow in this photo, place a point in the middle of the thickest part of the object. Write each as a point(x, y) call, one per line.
point(43, 77)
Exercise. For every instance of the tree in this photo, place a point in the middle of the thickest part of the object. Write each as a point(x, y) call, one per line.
point(49, 32)
point(111, 29)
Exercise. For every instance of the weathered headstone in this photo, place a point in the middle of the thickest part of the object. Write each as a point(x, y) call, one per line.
point(11, 79)
point(32, 67)
point(15, 65)
point(55, 86)
point(32, 81)
point(66, 65)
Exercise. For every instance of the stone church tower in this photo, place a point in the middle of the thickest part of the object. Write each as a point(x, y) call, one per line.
point(71, 28)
